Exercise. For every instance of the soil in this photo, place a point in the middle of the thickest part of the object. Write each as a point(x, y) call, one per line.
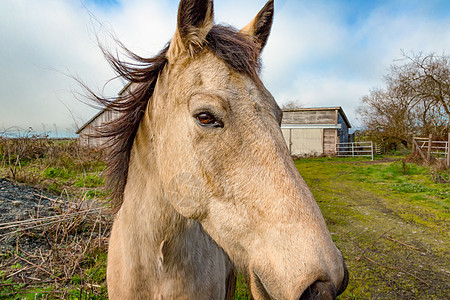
point(19, 203)
point(46, 240)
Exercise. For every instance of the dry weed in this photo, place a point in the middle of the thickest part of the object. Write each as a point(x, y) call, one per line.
point(60, 250)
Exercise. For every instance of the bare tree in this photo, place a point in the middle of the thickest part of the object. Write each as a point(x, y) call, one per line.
point(425, 80)
point(292, 104)
point(415, 100)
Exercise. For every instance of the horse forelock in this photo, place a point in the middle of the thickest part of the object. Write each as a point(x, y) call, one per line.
point(237, 50)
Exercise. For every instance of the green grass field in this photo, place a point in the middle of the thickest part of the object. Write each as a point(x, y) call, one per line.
point(389, 218)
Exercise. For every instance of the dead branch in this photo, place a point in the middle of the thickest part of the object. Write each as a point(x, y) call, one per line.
point(401, 243)
point(397, 269)
point(18, 272)
point(50, 199)
point(376, 240)
point(40, 268)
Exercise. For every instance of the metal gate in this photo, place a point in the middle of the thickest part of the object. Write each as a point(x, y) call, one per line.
point(363, 149)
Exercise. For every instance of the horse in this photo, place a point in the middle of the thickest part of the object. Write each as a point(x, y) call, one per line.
point(203, 179)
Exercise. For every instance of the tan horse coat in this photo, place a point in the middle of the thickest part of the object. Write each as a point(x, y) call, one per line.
point(211, 185)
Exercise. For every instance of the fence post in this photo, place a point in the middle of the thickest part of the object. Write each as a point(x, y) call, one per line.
point(413, 150)
point(448, 151)
point(353, 149)
point(290, 141)
point(430, 140)
point(419, 150)
point(371, 146)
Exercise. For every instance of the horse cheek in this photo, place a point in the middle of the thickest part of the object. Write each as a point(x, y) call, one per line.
point(186, 194)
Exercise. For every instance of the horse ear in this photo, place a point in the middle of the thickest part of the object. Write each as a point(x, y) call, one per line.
point(195, 20)
point(259, 28)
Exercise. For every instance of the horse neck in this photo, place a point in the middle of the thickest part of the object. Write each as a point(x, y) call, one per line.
point(163, 233)
point(144, 199)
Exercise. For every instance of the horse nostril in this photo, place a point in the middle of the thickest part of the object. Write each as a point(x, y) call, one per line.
point(319, 290)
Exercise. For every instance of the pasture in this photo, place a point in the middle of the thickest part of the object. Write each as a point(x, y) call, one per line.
point(389, 217)
point(390, 220)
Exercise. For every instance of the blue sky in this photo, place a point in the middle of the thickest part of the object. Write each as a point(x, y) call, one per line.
point(320, 53)
point(105, 4)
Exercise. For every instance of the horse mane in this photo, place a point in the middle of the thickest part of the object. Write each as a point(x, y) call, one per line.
point(237, 50)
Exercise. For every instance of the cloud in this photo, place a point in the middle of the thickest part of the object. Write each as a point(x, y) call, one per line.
point(48, 40)
point(39, 48)
point(323, 53)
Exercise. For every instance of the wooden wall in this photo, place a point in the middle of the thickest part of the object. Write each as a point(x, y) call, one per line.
point(329, 141)
point(85, 138)
point(310, 117)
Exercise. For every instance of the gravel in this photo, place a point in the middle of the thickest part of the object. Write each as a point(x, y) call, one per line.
point(19, 202)
point(44, 240)
point(20, 206)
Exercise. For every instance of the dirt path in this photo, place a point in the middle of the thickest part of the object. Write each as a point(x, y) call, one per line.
point(408, 260)
point(395, 246)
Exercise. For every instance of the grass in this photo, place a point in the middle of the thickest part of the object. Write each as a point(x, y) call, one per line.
point(58, 166)
point(391, 221)
point(242, 291)
point(389, 218)
point(70, 262)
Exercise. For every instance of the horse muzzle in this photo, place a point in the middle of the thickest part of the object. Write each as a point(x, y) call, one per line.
point(319, 290)
point(325, 290)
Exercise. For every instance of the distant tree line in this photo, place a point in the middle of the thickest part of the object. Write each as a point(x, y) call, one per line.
point(414, 101)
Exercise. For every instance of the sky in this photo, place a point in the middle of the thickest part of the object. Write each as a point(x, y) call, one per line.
point(321, 53)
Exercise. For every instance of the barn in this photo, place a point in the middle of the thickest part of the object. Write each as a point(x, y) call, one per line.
point(85, 138)
point(315, 131)
point(86, 131)
point(307, 131)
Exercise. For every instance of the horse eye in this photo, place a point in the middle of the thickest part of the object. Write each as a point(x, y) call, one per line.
point(208, 119)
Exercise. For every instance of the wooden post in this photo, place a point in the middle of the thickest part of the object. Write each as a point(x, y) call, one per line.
point(413, 150)
point(448, 151)
point(371, 146)
point(336, 144)
point(419, 150)
point(290, 141)
point(430, 140)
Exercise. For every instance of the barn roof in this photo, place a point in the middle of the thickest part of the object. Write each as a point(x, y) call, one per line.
point(90, 121)
point(101, 111)
point(338, 108)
